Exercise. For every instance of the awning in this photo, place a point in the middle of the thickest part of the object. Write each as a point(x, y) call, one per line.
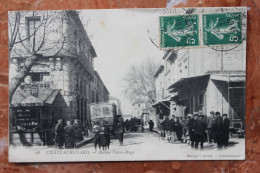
point(190, 82)
point(24, 98)
point(31, 99)
point(229, 77)
point(164, 102)
point(187, 87)
point(174, 97)
point(52, 97)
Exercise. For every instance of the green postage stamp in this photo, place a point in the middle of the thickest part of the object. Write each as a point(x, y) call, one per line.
point(216, 29)
point(222, 28)
point(179, 31)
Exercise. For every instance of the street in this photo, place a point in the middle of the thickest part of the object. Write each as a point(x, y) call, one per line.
point(150, 144)
point(137, 146)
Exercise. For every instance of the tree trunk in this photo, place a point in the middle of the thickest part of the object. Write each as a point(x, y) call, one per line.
point(23, 72)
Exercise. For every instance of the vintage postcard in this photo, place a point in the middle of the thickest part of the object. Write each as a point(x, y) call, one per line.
point(127, 84)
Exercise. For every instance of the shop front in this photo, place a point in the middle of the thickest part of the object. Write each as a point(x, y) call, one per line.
point(222, 92)
point(32, 119)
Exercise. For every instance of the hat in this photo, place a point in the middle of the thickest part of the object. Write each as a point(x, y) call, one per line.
point(224, 115)
point(211, 112)
point(217, 113)
point(189, 115)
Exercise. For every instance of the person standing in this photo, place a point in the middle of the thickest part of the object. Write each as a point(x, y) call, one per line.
point(168, 128)
point(107, 133)
point(191, 125)
point(225, 132)
point(217, 128)
point(69, 135)
point(199, 131)
point(209, 123)
point(77, 131)
point(178, 127)
point(142, 125)
point(127, 125)
point(151, 124)
point(185, 128)
point(59, 132)
point(121, 130)
point(162, 128)
point(96, 134)
point(173, 130)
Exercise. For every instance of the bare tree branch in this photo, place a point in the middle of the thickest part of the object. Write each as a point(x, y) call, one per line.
point(139, 83)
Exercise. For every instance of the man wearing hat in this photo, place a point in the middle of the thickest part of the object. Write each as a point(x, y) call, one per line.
point(209, 123)
point(191, 125)
point(225, 132)
point(199, 131)
point(217, 129)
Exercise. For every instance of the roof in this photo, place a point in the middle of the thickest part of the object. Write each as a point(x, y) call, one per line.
point(23, 97)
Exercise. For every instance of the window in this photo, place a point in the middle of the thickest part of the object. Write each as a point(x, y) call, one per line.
point(97, 99)
point(76, 82)
point(93, 96)
point(32, 24)
point(36, 77)
point(106, 111)
point(162, 93)
point(168, 66)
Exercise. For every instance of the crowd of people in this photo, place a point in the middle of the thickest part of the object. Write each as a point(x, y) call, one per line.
point(197, 129)
point(133, 124)
point(102, 133)
point(66, 134)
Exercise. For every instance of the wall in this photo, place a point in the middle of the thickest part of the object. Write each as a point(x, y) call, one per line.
point(200, 62)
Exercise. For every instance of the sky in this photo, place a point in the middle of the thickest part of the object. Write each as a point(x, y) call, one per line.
point(121, 39)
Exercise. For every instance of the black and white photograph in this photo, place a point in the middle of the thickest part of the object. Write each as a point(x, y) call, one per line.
point(127, 84)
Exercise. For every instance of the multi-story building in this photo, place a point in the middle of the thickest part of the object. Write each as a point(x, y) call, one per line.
point(100, 92)
point(202, 81)
point(164, 77)
point(60, 83)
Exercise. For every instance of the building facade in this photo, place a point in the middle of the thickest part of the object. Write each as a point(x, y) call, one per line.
point(60, 83)
point(203, 81)
point(99, 90)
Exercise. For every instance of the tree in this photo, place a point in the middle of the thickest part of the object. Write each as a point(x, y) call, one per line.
point(33, 35)
point(140, 83)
